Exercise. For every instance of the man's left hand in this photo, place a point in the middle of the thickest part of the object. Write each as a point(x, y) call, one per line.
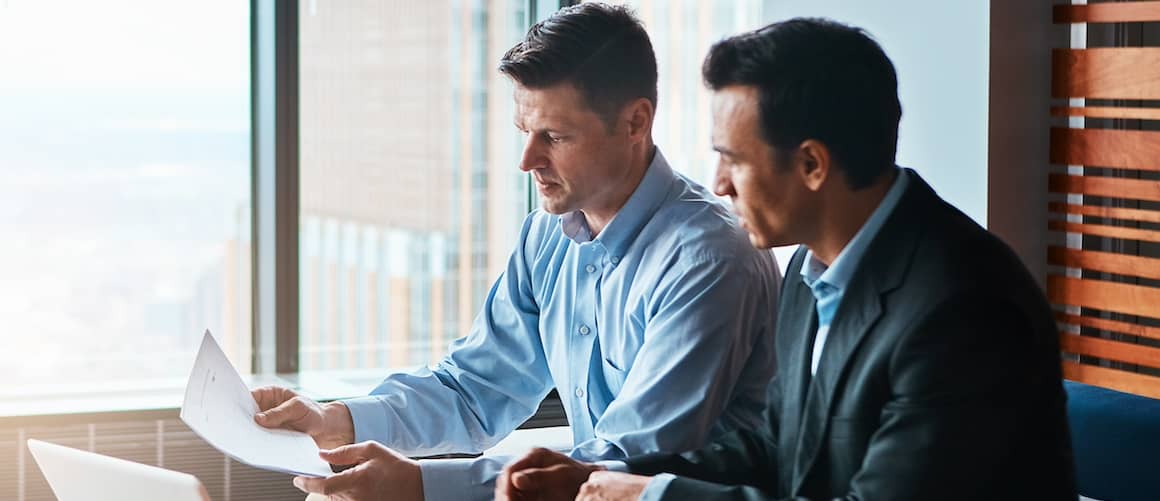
point(379, 473)
point(612, 486)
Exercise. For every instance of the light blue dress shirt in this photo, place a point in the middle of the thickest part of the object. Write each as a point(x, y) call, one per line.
point(658, 334)
point(828, 284)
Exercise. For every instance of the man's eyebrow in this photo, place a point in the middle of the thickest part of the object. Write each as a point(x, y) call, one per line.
point(724, 151)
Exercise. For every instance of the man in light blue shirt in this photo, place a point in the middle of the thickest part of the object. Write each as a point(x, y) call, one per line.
point(633, 292)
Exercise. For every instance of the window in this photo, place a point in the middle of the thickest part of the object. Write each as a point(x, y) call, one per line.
point(681, 33)
point(124, 188)
point(410, 198)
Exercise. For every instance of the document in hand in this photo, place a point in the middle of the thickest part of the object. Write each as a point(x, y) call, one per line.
point(219, 408)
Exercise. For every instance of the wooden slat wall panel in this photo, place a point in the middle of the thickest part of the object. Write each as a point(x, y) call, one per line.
point(1131, 73)
point(1106, 112)
point(1129, 382)
point(1109, 325)
point(1126, 12)
point(1127, 149)
point(1111, 187)
point(1105, 212)
point(1106, 73)
point(1110, 350)
point(1102, 295)
point(1099, 230)
point(1107, 262)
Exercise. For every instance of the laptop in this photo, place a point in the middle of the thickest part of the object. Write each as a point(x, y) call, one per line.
point(77, 475)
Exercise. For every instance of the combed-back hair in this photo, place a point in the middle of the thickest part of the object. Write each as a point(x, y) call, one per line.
point(817, 79)
point(602, 50)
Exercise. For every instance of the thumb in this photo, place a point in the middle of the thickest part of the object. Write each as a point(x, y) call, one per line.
point(531, 479)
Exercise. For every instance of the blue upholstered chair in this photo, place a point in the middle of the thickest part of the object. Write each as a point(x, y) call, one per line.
point(1116, 438)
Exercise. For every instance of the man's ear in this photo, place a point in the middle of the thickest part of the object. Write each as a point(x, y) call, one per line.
point(638, 115)
point(813, 163)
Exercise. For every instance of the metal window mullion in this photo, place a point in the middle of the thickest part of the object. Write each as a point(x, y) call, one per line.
point(275, 190)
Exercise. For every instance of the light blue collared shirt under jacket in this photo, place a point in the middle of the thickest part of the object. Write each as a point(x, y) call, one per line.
point(658, 334)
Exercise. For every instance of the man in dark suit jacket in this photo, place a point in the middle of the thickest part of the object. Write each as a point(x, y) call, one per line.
point(916, 356)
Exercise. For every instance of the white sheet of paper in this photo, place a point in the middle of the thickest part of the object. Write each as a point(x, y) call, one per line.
point(219, 408)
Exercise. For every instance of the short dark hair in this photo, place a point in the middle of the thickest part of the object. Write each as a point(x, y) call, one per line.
point(602, 50)
point(817, 79)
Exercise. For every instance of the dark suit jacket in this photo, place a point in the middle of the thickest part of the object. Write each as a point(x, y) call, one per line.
point(940, 379)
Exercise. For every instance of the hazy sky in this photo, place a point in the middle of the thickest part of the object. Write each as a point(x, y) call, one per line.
point(124, 44)
point(124, 163)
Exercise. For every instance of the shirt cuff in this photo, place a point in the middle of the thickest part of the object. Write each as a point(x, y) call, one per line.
point(363, 413)
point(457, 479)
point(656, 487)
point(613, 465)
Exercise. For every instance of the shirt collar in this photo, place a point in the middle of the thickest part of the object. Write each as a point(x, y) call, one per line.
point(638, 210)
point(839, 273)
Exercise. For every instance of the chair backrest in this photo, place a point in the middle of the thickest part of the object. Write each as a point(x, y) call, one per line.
point(1115, 437)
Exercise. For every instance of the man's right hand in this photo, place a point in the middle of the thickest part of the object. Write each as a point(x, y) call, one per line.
point(330, 425)
point(543, 475)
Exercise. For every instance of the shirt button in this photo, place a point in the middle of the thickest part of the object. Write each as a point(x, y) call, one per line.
point(579, 392)
point(590, 269)
point(583, 330)
point(615, 260)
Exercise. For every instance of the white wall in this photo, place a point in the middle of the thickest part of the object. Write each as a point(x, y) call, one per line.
point(940, 49)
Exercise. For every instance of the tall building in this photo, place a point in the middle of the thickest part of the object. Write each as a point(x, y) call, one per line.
point(411, 198)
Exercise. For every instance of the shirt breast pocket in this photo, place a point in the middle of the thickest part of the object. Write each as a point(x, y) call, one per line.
point(614, 375)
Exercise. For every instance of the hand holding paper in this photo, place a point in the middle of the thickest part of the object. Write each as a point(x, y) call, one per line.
point(219, 408)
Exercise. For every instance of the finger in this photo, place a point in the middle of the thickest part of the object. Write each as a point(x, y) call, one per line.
point(533, 479)
point(270, 396)
point(334, 484)
point(588, 492)
point(349, 454)
point(284, 415)
point(504, 490)
point(536, 458)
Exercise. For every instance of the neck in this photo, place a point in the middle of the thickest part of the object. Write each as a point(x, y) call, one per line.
point(841, 218)
point(620, 189)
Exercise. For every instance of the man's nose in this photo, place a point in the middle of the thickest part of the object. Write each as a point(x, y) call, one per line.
point(722, 185)
point(533, 157)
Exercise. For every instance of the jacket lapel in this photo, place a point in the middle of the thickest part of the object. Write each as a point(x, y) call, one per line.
point(881, 270)
point(796, 328)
